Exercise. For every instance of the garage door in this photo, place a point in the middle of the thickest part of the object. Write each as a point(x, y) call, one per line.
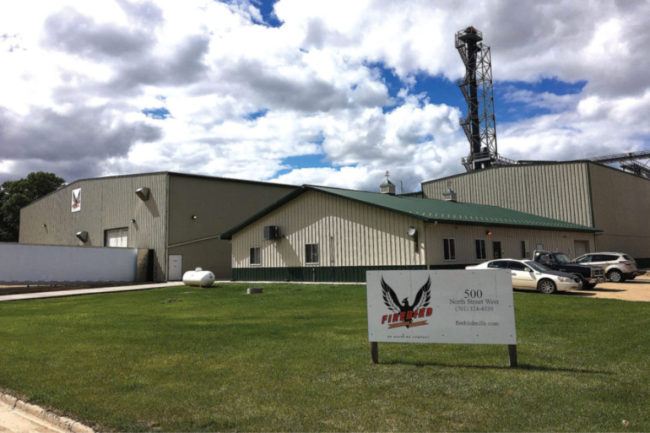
point(117, 238)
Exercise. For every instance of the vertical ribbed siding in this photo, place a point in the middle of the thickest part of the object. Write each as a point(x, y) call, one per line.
point(105, 204)
point(362, 235)
point(622, 210)
point(219, 204)
point(510, 239)
point(559, 191)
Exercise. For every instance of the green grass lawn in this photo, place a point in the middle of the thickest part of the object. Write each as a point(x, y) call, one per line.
point(297, 358)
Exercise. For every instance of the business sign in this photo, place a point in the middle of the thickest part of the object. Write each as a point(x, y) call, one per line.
point(469, 307)
point(76, 200)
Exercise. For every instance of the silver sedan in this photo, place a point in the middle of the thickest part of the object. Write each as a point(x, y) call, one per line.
point(527, 274)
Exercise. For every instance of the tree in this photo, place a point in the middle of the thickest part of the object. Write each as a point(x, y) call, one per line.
point(17, 194)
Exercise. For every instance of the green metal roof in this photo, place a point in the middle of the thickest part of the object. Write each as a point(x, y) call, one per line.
point(387, 183)
point(427, 210)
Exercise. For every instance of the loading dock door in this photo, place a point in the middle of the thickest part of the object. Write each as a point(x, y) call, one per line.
point(581, 247)
point(175, 267)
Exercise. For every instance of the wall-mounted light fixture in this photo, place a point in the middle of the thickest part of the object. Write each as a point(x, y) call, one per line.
point(143, 193)
point(132, 221)
point(45, 225)
point(194, 217)
point(82, 236)
point(413, 232)
point(488, 233)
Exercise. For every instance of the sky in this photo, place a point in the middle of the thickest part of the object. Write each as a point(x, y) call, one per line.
point(311, 92)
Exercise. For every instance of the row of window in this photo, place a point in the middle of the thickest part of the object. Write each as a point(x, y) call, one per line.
point(449, 249)
point(312, 256)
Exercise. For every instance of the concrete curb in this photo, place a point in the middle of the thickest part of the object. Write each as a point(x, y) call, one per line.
point(45, 415)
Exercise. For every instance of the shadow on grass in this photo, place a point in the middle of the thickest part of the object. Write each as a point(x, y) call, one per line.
point(495, 367)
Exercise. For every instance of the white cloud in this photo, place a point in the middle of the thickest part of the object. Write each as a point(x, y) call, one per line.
point(78, 74)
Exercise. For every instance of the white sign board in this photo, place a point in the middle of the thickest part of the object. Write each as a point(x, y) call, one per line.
point(76, 200)
point(465, 306)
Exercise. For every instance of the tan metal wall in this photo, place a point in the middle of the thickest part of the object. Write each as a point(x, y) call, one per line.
point(219, 204)
point(349, 234)
point(106, 203)
point(510, 238)
point(559, 191)
point(211, 254)
point(622, 210)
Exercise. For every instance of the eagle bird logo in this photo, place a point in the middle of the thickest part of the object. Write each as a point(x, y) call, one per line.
point(76, 199)
point(403, 312)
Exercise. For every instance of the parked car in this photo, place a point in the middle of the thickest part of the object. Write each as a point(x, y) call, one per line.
point(590, 275)
point(527, 274)
point(618, 267)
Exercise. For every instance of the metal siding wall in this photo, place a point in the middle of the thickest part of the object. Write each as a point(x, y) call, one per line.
point(510, 239)
point(105, 204)
point(220, 205)
point(622, 210)
point(363, 235)
point(211, 255)
point(559, 191)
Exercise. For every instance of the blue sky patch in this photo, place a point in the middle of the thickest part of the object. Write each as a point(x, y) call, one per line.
point(157, 113)
point(256, 114)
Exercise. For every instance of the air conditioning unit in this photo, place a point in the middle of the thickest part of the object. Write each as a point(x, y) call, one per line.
point(271, 232)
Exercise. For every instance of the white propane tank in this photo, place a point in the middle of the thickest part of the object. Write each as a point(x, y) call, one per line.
point(198, 277)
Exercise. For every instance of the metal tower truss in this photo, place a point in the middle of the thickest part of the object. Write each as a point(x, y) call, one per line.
point(476, 86)
point(632, 162)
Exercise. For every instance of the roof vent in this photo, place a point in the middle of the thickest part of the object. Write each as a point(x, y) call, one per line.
point(387, 187)
point(449, 195)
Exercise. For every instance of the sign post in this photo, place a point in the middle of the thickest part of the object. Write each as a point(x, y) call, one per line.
point(461, 307)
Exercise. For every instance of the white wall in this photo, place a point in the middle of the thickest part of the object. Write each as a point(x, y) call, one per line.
point(33, 264)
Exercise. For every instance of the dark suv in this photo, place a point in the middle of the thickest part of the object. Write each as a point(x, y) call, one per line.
point(590, 275)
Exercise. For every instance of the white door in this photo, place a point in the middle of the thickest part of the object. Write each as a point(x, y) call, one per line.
point(175, 267)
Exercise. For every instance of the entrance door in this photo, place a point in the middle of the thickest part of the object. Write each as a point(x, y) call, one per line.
point(175, 267)
point(581, 247)
point(496, 250)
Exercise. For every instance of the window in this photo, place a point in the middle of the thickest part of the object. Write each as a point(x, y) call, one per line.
point(547, 259)
point(516, 266)
point(584, 259)
point(604, 258)
point(256, 256)
point(496, 250)
point(525, 251)
point(498, 264)
point(116, 238)
point(450, 249)
point(480, 249)
point(311, 254)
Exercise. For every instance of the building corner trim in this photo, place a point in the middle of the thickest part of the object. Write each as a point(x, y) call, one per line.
point(591, 196)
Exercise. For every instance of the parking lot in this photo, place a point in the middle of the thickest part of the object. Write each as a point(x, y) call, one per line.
point(635, 290)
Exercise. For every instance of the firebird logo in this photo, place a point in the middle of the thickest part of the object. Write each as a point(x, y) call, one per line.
point(76, 199)
point(404, 314)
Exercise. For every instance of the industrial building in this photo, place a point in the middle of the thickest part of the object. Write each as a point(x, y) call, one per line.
point(178, 217)
point(582, 192)
point(330, 234)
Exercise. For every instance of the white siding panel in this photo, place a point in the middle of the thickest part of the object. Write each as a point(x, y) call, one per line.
point(362, 235)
